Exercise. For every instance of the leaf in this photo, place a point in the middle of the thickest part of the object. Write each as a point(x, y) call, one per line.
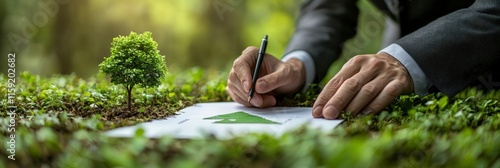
point(141, 110)
point(443, 102)
point(139, 132)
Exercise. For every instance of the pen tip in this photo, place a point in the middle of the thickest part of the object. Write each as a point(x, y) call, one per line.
point(249, 98)
point(265, 37)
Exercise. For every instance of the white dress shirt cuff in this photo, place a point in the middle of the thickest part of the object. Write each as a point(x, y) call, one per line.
point(421, 84)
point(305, 58)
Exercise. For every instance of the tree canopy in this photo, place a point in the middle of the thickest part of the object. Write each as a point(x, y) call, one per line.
point(134, 60)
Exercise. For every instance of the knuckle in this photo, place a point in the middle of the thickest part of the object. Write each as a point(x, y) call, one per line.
point(369, 90)
point(286, 71)
point(239, 69)
point(392, 74)
point(337, 102)
point(334, 82)
point(352, 85)
point(352, 82)
point(358, 59)
point(376, 64)
point(232, 77)
point(322, 99)
point(392, 90)
point(332, 86)
point(249, 48)
point(232, 74)
point(237, 62)
point(402, 73)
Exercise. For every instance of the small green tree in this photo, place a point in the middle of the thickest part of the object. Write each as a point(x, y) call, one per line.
point(134, 60)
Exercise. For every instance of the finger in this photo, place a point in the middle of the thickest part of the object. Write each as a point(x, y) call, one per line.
point(241, 95)
point(344, 95)
point(348, 70)
point(263, 101)
point(274, 80)
point(385, 97)
point(242, 66)
point(328, 91)
point(251, 49)
point(257, 100)
point(367, 93)
point(236, 82)
point(236, 98)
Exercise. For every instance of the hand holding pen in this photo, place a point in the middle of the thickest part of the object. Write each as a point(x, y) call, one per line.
point(260, 57)
point(261, 83)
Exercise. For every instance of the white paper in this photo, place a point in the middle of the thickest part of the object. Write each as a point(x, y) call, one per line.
point(189, 123)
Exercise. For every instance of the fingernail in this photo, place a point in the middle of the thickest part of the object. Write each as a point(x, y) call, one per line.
point(330, 112)
point(317, 111)
point(256, 101)
point(263, 84)
point(366, 112)
point(245, 86)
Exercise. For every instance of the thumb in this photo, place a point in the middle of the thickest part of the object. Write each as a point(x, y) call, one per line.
point(274, 80)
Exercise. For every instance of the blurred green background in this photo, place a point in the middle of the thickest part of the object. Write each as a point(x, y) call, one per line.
point(72, 36)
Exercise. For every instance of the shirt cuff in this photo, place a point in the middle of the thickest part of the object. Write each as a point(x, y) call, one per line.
point(305, 58)
point(421, 84)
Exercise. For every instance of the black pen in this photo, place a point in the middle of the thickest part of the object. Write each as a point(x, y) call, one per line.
point(260, 57)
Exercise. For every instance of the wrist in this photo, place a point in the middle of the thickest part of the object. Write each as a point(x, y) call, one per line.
point(409, 79)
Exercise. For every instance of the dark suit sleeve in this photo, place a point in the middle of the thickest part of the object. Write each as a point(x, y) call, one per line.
point(454, 50)
point(321, 29)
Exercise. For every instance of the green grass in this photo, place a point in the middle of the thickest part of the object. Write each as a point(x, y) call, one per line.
point(60, 123)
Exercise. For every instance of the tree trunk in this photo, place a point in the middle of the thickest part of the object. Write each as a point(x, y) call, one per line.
point(129, 91)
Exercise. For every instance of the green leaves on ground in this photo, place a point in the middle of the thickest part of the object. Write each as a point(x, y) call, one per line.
point(60, 121)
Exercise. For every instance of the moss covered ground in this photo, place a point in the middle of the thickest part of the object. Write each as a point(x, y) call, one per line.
point(60, 122)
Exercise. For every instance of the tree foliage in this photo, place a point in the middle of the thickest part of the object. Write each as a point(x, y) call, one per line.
point(134, 60)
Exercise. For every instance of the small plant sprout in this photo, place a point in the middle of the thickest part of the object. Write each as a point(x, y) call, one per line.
point(134, 60)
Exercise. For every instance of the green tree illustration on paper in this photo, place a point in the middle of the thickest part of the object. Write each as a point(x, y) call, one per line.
point(240, 117)
point(134, 60)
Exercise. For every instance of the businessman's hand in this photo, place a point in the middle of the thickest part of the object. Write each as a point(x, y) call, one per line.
point(366, 84)
point(275, 78)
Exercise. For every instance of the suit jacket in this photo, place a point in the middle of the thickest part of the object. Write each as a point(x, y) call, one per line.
point(454, 42)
